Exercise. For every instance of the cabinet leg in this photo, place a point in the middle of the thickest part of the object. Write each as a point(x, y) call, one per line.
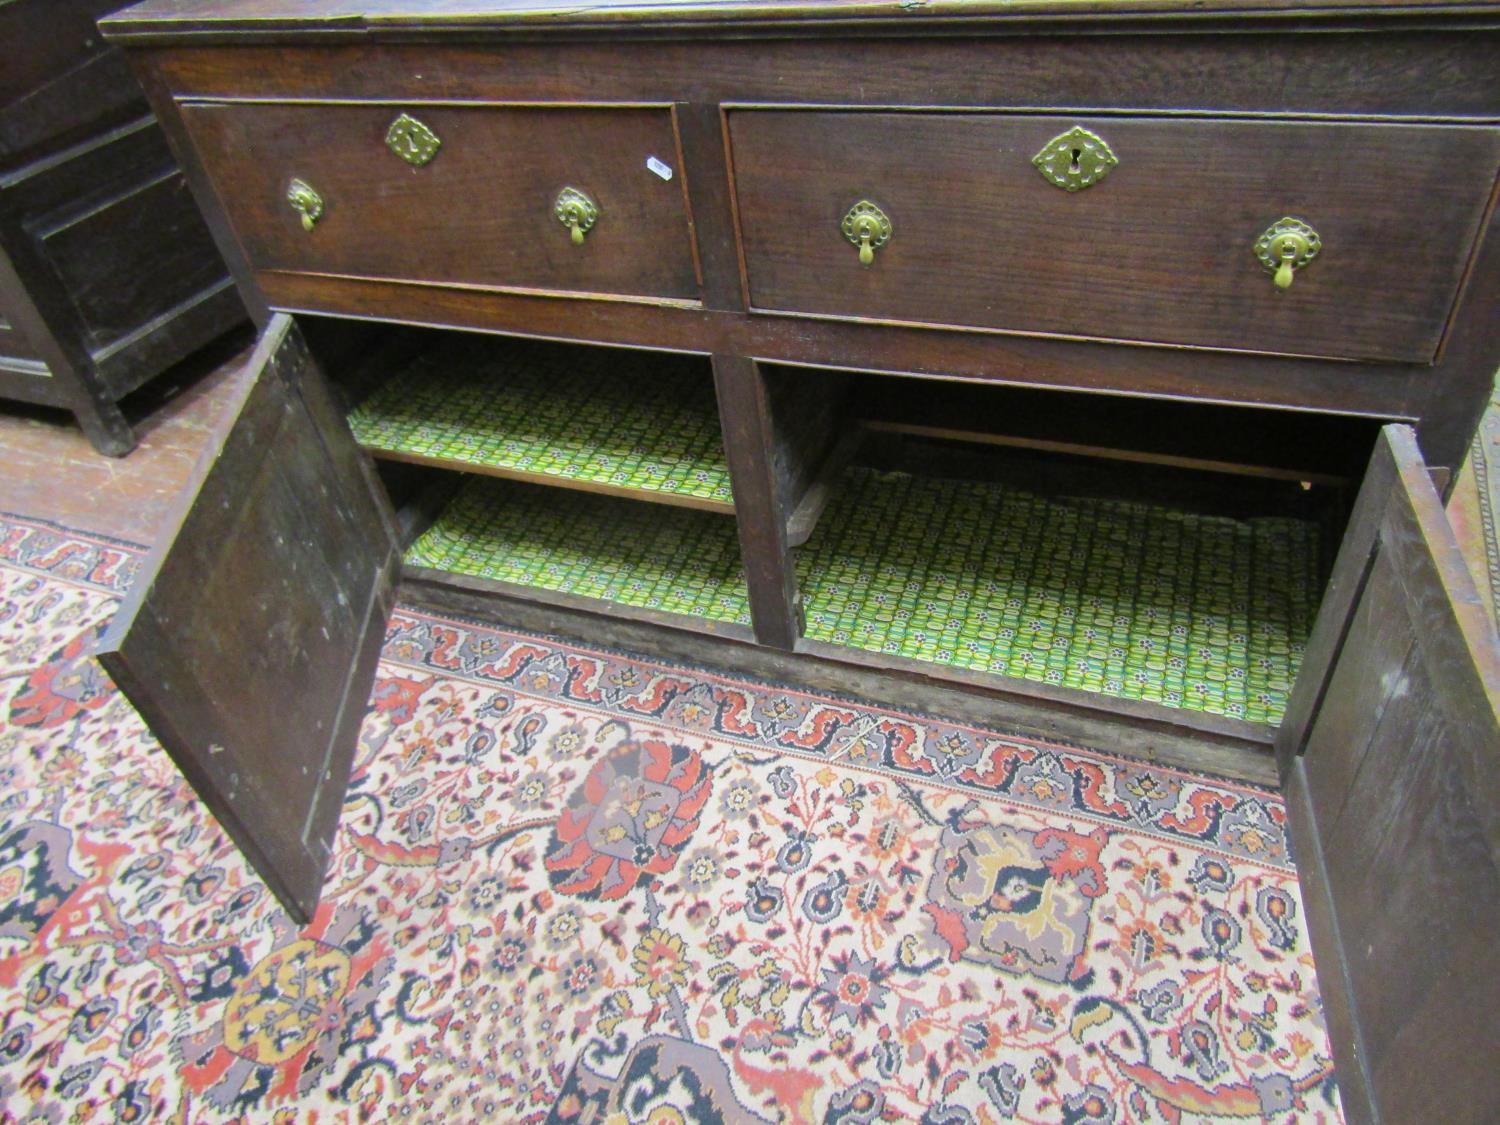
point(759, 500)
point(105, 426)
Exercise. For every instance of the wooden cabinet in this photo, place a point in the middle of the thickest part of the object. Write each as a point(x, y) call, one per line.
point(1071, 461)
point(108, 274)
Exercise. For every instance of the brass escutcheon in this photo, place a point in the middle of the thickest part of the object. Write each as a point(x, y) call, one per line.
point(1076, 159)
point(305, 201)
point(868, 227)
point(1286, 246)
point(577, 212)
point(412, 141)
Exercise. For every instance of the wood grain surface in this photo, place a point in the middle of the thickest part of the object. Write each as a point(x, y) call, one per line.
point(1391, 758)
point(250, 640)
point(1161, 249)
point(480, 213)
point(522, 15)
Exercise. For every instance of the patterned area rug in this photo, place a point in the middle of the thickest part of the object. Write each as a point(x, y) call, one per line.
point(572, 886)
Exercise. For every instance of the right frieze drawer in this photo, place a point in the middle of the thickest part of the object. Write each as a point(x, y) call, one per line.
point(1345, 240)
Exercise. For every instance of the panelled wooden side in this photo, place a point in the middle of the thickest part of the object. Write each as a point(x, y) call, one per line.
point(108, 229)
point(110, 274)
point(15, 348)
point(59, 79)
point(1391, 761)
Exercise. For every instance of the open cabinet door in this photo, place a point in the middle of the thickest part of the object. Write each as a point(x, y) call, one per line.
point(250, 641)
point(1390, 759)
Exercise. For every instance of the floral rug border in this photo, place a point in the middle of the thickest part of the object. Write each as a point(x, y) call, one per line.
point(1235, 818)
point(69, 555)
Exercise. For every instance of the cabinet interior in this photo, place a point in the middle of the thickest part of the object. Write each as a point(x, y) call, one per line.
point(593, 419)
point(1168, 553)
point(945, 561)
point(661, 558)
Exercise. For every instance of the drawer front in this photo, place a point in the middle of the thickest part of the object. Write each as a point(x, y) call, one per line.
point(1159, 249)
point(481, 211)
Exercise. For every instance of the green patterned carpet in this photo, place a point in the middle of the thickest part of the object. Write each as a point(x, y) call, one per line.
point(1129, 599)
point(630, 421)
point(641, 555)
point(1132, 600)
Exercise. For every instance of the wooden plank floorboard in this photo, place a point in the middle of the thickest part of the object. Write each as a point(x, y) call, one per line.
point(48, 469)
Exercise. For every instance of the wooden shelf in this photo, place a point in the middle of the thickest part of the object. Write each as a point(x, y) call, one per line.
point(635, 424)
point(674, 561)
point(1127, 599)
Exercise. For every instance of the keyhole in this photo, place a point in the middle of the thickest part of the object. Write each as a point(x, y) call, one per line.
point(1074, 168)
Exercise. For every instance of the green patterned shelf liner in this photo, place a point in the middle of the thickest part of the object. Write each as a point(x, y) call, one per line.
point(671, 559)
point(640, 421)
point(1128, 599)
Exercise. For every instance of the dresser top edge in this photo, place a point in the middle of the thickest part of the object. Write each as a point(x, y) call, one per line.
point(162, 20)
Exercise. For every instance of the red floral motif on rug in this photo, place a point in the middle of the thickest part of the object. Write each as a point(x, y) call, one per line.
point(571, 885)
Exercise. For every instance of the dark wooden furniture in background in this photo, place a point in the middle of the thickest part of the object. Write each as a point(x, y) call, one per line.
point(108, 274)
point(1122, 333)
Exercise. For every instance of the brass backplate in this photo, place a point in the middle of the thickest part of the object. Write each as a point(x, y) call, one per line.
point(1076, 159)
point(412, 141)
point(305, 201)
point(1288, 234)
point(575, 209)
point(866, 219)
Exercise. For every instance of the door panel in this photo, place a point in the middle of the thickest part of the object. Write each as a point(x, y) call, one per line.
point(1391, 759)
point(1358, 692)
point(249, 644)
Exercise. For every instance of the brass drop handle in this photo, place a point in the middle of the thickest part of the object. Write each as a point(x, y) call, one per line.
point(1292, 248)
point(1285, 247)
point(305, 201)
point(868, 227)
point(577, 212)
